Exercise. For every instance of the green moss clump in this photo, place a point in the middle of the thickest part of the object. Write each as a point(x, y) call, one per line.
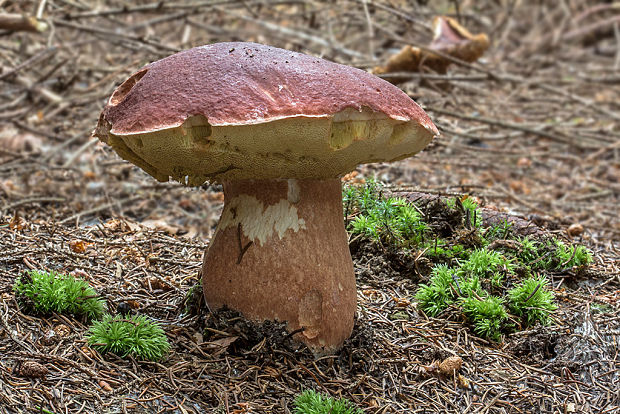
point(47, 292)
point(489, 264)
point(473, 266)
point(530, 251)
point(392, 221)
point(441, 250)
point(437, 295)
point(532, 300)
point(552, 255)
point(487, 315)
point(137, 336)
point(567, 256)
point(311, 402)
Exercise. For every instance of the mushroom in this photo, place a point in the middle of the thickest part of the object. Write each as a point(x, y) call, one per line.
point(277, 129)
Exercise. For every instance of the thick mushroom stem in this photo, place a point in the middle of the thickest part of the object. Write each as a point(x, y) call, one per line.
point(280, 252)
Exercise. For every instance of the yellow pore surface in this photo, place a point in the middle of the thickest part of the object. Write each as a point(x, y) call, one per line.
point(295, 147)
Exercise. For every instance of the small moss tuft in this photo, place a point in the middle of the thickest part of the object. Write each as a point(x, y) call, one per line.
point(311, 402)
point(392, 220)
point(47, 292)
point(436, 296)
point(487, 315)
point(569, 256)
point(137, 336)
point(489, 264)
point(532, 300)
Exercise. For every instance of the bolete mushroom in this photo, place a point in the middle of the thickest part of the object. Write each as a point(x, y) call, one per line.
point(277, 129)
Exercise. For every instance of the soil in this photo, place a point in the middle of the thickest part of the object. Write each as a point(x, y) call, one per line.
point(531, 130)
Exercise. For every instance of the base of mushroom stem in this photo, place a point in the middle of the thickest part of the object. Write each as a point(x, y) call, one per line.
point(280, 252)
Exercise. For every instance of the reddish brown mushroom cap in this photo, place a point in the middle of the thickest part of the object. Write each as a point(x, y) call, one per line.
point(245, 110)
point(248, 83)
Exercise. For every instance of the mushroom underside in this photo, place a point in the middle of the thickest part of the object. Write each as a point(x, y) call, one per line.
point(297, 147)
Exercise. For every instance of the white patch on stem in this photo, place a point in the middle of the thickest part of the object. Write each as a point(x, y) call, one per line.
point(258, 222)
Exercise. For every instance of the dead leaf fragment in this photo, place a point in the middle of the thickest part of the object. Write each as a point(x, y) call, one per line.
point(222, 342)
point(62, 330)
point(17, 222)
point(154, 283)
point(524, 162)
point(215, 197)
point(455, 40)
point(89, 352)
point(462, 381)
point(520, 186)
point(115, 225)
point(401, 302)
point(78, 246)
point(450, 38)
point(89, 175)
point(160, 225)
point(13, 140)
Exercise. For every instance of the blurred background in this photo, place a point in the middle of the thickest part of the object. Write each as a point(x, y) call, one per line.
point(530, 125)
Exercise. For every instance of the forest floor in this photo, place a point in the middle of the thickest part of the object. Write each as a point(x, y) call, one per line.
point(531, 129)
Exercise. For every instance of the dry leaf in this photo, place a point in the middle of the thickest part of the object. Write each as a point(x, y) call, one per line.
point(62, 330)
point(222, 342)
point(155, 284)
point(89, 175)
point(524, 162)
point(11, 139)
point(18, 223)
point(215, 197)
point(161, 225)
point(350, 176)
point(462, 381)
point(401, 302)
point(449, 38)
point(79, 273)
point(519, 186)
point(78, 246)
